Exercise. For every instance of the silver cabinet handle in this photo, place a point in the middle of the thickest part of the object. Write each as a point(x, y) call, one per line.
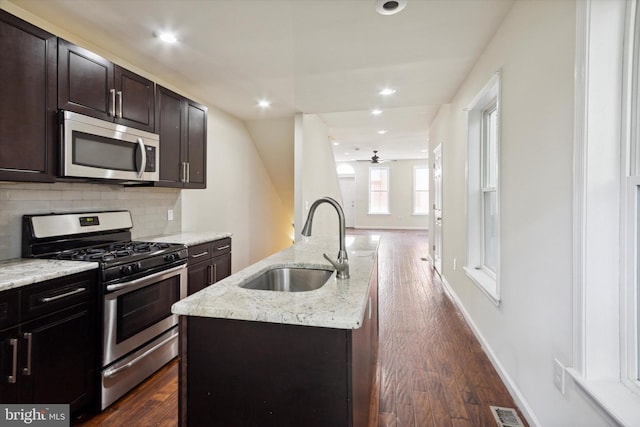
point(221, 248)
point(29, 337)
point(215, 274)
point(112, 104)
point(211, 274)
point(184, 172)
point(119, 110)
point(188, 171)
point(11, 379)
point(66, 294)
point(143, 163)
point(201, 254)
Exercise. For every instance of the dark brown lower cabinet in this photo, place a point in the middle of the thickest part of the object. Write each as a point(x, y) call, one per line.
point(50, 356)
point(242, 373)
point(208, 263)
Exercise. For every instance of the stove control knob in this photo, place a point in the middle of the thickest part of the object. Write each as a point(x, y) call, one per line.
point(137, 266)
point(171, 257)
point(126, 269)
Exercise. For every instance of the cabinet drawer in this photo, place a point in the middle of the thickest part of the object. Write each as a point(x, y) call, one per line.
point(199, 253)
point(9, 308)
point(220, 247)
point(52, 295)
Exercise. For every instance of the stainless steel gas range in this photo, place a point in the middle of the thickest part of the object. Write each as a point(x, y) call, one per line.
point(139, 282)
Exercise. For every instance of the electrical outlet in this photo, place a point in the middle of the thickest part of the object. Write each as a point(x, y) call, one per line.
point(170, 215)
point(558, 375)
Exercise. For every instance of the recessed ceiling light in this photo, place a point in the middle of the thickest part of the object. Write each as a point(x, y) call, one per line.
point(167, 37)
point(264, 103)
point(390, 7)
point(376, 112)
point(336, 143)
point(387, 91)
point(424, 151)
point(382, 131)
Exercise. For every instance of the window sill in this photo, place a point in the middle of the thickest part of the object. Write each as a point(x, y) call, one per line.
point(420, 214)
point(379, 213)
point(486, 283)
point(613, 398)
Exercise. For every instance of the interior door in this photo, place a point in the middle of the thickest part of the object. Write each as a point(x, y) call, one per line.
point(348, 190)
point(437, 208)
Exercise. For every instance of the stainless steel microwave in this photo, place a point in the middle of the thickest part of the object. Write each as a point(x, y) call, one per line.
point(97, 149)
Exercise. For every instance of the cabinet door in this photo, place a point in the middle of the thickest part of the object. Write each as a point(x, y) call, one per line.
point(9, 364)
point(60, 365)
point(85, 82)
point(28, 73)
point(135, 100)
point(199, 276)
point(196, 145)
point(221, 267)
point(169, 125)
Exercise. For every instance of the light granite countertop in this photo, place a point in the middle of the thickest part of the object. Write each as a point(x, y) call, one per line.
point(18, 272)
point(188, 238)
point(338, 304)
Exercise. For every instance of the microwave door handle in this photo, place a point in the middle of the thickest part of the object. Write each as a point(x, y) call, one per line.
point(143, 152)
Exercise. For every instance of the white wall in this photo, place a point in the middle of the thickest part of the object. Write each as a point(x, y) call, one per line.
point(535, 49)
point(240, 197)
point(400, 197)
point(315, 175)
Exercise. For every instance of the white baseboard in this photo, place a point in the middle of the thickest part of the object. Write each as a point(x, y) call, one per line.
point(506, 378)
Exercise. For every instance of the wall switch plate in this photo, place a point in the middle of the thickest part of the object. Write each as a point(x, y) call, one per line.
point(170, 215)
point(558, 375)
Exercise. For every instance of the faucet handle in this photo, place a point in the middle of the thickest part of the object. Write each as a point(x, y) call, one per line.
point(341, 266)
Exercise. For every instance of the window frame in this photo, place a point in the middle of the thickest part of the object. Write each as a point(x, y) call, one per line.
point(414, 210)
point(387, 191)
point(606, 210)
point(485, 102)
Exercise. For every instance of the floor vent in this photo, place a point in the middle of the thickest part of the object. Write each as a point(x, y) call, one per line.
point(506, 417)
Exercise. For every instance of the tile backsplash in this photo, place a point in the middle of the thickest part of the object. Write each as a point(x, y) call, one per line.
point(148, 206)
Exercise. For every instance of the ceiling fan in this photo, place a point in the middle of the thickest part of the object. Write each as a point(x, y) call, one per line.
point(375, 159)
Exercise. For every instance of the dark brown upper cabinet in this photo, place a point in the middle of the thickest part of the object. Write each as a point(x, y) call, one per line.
point(28, 101)
point(90, 84)
point(182, 126)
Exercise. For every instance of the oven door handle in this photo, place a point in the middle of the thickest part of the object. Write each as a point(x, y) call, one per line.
point(112, 372)
point(142, 280)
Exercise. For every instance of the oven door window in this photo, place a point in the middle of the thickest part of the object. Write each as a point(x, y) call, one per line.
point(139, 309)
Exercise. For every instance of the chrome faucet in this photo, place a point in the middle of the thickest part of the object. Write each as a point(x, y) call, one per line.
point(342, 263)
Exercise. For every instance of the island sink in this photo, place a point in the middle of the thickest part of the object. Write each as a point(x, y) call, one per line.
point(289, 279)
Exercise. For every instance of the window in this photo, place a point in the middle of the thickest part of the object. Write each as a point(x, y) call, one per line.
point(607, 210)
point(489, 142)
point(378, 190)
point(483, 194)
point(420, 190)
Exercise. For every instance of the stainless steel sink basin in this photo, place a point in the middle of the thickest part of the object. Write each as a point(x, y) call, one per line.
point(289, 279)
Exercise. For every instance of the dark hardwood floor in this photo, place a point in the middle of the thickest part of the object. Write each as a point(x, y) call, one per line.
point(431, 369)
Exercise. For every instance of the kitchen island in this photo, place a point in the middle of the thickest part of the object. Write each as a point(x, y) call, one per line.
point(272, 358)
